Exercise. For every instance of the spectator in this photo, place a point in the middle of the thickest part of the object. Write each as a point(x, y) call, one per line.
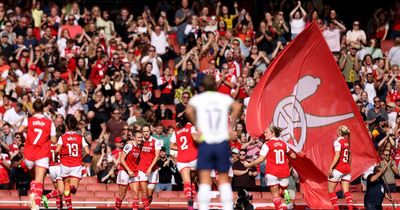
point(297, 20)
point(390, 172)
point(376, 114)
point(243, 178)
point(115, 125)
point(332, 35)
point(181, 20)
point(356, 35)
point(180, 108)
point(163, 113)
point(394, 53)
point(5, 166)
point(7, 132)
point(14, 116)
point(167, 169)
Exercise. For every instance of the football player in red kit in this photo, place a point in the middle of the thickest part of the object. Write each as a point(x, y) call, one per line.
point(148, 171)
point(339, 170)
point(128, 174)
point(182, 141)
point(41, 132)
point(55, 176)
point(275, 152)
point(70, 146)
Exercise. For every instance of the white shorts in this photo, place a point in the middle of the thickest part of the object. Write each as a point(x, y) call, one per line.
point(338, 176)
point(152, 179)
point(75, 171)
point(43, 162)
point(213, 174)
point(55, 173)
point(192, 165)
point(123, 178)
point(273, 180)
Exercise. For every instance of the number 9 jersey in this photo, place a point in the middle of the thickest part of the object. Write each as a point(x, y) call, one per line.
point(39, 131)
point(71, 148)
point(342, 145)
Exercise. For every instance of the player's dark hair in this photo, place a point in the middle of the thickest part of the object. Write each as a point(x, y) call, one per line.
point(38, 106)
point(71, 122)
point(209, 83)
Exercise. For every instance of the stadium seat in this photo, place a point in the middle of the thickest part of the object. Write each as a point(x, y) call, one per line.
point(96, 187)
point(167, 194)
point(12, 200)
point(167, 123)
point(103, 194)
point(4, 193)
point(89, 180)
point(157, 93)
point(267, 195)
point(112, 187)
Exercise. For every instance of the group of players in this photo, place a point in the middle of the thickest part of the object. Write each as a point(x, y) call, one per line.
point(201, 144)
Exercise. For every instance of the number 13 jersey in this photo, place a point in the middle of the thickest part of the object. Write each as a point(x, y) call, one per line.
point(342, 145)
point(71, 148)
point(39, 131)
point(276, 153)
point(187, 148)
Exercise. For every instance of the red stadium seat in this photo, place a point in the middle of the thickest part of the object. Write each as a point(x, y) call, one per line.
point(12, 200)
point(112, 187)
point(5, 193)
point(167, 123)
point(96, 187)
point(267, 195)
point(89, 180)
point(102, 194)
point(168, 194)
point(157, 93)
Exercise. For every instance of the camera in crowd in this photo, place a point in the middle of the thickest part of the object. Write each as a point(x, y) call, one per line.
point(243, 200)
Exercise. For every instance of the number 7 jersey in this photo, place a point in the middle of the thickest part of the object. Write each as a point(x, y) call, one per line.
point(187, 148)
point(39, 131)
point(71, 148)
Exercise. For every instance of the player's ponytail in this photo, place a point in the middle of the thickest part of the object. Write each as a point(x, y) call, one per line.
point(276, 130)
point(71, 122)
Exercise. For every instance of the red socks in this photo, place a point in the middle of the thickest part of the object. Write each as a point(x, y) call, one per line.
point(187, 189)
point(334, 200)
point(277, 202)
point(38, 193)
point(146, 203)
point(53, 194)
point(118, 203)
point(349, 200)
point(58, 202)
point(68, 201)
point(135, 204)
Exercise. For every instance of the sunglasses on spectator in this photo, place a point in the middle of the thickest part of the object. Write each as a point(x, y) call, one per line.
point(126, 128)
point(242, 154)
point(131, 52)
point(377, 101)
point(76, 84)
point(386, 155)
point(152, 50)
point(356, 24)
point(116, 112)
point(185, 96)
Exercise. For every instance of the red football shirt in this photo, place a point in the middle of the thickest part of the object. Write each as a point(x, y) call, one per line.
point(149, 153)
point(71, 148)
point(132, 158)
point(187, 148)
point(37, 144)
point(54, 159)
point(342, 145)
point(277, 163)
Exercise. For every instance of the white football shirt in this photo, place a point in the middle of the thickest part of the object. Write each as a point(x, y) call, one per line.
point(212, 115)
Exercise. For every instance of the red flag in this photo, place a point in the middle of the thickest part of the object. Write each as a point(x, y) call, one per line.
point(303, 92)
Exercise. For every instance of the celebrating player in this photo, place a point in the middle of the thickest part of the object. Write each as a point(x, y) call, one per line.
point(209, 112)
point(37, 149)
point(148, 172)
point(339, 170)
point(55, 176)
point(275, 152)
point(70, 146)
point(186, 158)
point(128, 173)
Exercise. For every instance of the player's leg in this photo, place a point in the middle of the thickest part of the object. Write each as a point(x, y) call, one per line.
point(60, 188)
point(67, 193)
point(41, 166)
point(121, 195)
point(153, 180)
point(203, 196)
point(223, 166)
point(332, 183)
point(347, 195)
point(332, 194)
point(273, 184)
point(135, 194)
point(187, 184)
point(145, 199)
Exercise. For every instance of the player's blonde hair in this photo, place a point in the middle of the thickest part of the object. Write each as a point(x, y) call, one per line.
point(276, 130)
point(343, 130)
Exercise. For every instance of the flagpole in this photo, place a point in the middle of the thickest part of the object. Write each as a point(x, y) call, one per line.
point(388, 192)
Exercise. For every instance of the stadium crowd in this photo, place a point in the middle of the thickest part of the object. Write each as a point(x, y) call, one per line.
point(116, 74)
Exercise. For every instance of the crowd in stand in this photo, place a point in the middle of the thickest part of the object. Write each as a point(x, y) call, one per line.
point(118, 73)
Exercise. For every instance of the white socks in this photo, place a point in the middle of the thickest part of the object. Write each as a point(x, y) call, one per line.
point(203, 197)
point(225, 191)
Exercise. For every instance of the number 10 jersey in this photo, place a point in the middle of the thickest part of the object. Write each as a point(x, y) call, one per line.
point(276, 153)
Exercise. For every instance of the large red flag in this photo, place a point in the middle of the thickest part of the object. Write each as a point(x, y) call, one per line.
point(303, 92)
